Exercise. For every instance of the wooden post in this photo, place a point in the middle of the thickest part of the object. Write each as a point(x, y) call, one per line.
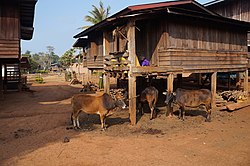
point(5, 78)
point(106, 76)
point(1, 82)
point(106, 82)
point(170, 89)
point(132, 79)
point(213, 88)
point(246, 81)
point(89, 75)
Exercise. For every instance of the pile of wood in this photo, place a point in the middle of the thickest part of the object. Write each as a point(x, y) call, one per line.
point(235, 95)
point(231, 100)
point(121, 92)
point(90, 87)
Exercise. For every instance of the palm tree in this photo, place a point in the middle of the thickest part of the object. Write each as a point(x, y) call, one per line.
point(97, 14)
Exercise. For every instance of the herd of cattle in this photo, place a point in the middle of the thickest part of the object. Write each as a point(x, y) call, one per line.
point(103, 103)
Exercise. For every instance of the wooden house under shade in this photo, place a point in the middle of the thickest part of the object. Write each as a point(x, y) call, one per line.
point(178, 37)
point(235, 9)
point(16, 23)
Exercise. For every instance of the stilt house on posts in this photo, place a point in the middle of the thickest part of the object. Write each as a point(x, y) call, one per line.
point(16, 23)
point(235, 9)
point(178, 37)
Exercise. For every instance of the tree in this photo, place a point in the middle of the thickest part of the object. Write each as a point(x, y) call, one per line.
point(97, 14)
point(67, 58)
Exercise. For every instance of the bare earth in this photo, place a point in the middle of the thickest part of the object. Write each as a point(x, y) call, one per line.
point(34, 132)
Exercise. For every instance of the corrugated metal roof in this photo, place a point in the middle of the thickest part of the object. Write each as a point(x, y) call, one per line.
point(131, 9)
point(188, 8)
point(158, 5)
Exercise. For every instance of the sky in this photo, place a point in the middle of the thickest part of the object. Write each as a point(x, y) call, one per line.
point(57, 21)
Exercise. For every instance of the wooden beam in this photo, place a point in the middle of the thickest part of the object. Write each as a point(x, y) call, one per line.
point(132, 101)
point(1, 82)
point(213, 88)
point(132, 79)
point(246, 81)
point(106, 82)
point(106, 76)
point(170, 89)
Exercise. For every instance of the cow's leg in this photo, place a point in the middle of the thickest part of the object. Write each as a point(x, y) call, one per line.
point(102, 118)
point(75, 119)
point(140, 108)
point(208, 119)
point(77, 122)
point(183, 113)
point(180, 113)
point(152, 109)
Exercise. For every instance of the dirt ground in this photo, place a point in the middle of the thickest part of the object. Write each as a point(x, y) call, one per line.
point(34, 131)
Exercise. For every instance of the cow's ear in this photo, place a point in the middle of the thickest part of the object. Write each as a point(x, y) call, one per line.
point(164, 93)
point(174, 93)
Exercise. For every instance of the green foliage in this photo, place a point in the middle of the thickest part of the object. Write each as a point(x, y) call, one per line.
point(67, 76)
point(42, 71)
point(97, 14)
point(67, 58)
point(39, 79)
point(41, 61)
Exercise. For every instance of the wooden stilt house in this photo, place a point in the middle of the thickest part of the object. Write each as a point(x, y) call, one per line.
point(16, 23)
point(93, 57)
point(235, 9)
point(178, 37)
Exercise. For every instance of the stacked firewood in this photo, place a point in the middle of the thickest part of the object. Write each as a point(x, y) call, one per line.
point(226, 96)
point(121, 92)
point(90, 87)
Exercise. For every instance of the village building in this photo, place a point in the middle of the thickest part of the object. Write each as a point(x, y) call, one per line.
point(16, 23)
point(235, 9)
point(179, 38)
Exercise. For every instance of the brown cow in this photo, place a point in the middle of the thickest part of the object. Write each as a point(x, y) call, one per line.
point(149, 95)
point(191, 99)
point(90, 104)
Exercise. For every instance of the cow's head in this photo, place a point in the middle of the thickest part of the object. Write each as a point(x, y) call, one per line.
point(119, 98)
point(169, 97)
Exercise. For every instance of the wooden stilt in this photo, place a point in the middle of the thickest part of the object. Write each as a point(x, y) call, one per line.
point(106, 82)
point(213, 88)
point(170, 89)
point(246, 81)
point(1, 82)
point(132, 101)
point(132, 79)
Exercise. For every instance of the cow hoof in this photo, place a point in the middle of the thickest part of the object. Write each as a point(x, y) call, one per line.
point(103, 129)
point(77, 128)
point(208, 120)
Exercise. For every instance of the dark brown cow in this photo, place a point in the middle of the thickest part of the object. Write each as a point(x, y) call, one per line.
point(191, 99)
point(149, 95)
point(99, 104)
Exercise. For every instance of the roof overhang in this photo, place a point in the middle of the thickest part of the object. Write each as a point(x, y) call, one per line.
point(188, 8)
point(27, 11)
point(81, 42)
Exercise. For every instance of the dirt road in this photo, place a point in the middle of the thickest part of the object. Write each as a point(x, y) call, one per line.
point(33, 132)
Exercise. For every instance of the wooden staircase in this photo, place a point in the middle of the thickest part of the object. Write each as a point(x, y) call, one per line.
point(12, 77)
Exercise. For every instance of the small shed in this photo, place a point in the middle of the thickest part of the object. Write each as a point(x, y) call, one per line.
point(178, 37)
point(16, 22)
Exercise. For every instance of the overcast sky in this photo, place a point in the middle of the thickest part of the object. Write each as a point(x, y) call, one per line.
point(57, 21)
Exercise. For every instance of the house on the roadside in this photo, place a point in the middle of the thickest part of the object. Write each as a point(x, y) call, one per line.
point(92, 58)
point(16, 22)
point(177, 37)
point(235, 9)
